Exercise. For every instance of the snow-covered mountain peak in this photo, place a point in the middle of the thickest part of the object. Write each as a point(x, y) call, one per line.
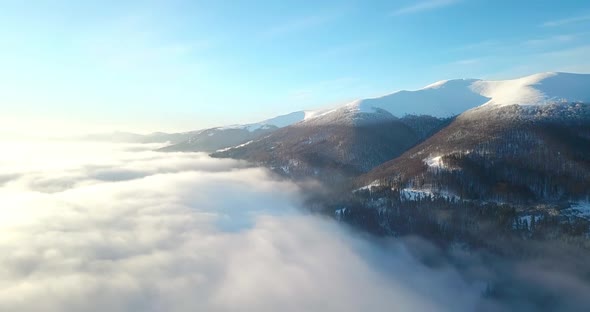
point(348, 114)
point(447, 98)
point(278, 122)
point(442, 99)
point(537, 89)
point(356, 106)
point(451, 83)
point(284, 120)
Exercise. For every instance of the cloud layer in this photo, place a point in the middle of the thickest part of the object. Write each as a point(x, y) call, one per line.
point(91, 227)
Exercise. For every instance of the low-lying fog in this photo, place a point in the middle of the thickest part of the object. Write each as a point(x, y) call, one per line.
point(119, 227)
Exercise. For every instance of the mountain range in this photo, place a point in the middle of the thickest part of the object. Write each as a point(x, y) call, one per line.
point(519, 147)
point(357, 137)
point(421, 162)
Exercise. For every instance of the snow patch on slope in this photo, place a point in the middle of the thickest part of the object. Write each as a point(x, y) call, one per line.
point(232, 147)
point(413, 194)
point(373, 184)
point(436, 85)
point(579, 209)
point(435, 162)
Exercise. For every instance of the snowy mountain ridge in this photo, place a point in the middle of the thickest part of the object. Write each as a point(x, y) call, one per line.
point(447, 98)
point(537, 89)
point(278, 121)
point(442, 99)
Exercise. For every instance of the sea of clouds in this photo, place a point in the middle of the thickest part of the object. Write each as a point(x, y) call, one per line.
point(119, 227)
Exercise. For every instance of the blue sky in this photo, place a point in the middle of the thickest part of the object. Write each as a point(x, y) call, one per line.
point(181, 65)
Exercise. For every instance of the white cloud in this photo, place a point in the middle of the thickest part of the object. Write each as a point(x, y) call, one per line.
point(559, 39)
point(424, 6)
point(467, 62)
point(484, 44)
point(189, 233)
point(566, 21)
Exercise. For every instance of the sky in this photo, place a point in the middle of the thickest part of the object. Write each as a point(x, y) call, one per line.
point(179, 65)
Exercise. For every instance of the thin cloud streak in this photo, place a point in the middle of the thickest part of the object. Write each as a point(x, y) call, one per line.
point(566, 21)
point(550, 40)
point(569, 53)
point(424, 6)
point(465, 62)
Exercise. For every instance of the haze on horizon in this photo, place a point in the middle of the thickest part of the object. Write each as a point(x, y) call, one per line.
point(466, 195)
point(71, 66)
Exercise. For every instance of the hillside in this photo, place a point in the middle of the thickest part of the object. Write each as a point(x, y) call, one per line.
point(507, 153)
point(213, 139)
point(335, 146)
